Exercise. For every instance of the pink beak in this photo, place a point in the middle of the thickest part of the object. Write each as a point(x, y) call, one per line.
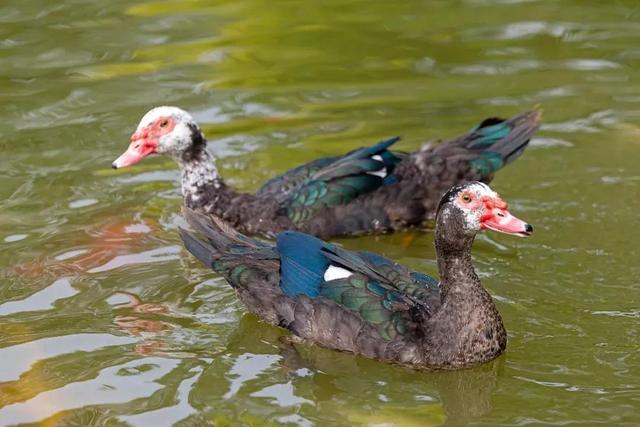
point(139, 148)
point(502, 221)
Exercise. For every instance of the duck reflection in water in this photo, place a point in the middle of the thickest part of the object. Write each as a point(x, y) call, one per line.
point(138, 322)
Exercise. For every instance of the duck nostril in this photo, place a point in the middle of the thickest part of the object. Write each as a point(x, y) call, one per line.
point(500, 214)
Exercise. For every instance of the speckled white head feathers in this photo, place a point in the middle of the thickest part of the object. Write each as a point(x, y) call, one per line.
point(176, 113)
point(163, 130)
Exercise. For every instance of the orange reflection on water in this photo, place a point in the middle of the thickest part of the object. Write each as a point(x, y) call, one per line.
point(98, 246)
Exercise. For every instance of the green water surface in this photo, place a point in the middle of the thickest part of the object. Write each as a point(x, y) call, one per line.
point(105, 319)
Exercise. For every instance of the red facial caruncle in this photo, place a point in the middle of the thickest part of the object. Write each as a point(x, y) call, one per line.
point(494, 214)
point(145, 141)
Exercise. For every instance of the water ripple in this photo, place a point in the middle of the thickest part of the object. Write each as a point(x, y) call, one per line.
point(19, 358)
point(41, 300)
point(169, 415)
point(167, 253)
point(117, 384)
point(246, 368)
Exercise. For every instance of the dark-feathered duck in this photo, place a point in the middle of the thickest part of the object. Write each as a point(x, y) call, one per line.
point(363, 303)
point(369, 190)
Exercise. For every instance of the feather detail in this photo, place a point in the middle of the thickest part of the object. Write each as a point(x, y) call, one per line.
point(342, 180)
point(302, 266)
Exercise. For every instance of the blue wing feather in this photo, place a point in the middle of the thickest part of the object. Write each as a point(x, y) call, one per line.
point(302, 264)
point(424, 279)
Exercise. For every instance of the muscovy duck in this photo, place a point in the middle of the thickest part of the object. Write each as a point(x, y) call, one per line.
point(368, 190)
point(363, 303)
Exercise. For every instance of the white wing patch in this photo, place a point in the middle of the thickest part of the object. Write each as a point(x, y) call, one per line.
point(382, 172)
point(335, 272)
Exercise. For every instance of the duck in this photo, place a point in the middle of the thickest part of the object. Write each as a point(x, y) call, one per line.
point(365, 191)
point(363, 303)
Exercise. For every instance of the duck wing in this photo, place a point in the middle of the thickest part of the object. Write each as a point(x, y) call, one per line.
point(339, 182)
point(294, 178)
point(297, 177)
point(383, 294)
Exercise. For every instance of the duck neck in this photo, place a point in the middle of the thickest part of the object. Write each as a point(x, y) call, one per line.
point(458, 279)
point(467, 329)
point(200, 179)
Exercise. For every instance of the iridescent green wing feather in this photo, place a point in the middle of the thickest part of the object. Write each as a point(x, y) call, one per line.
point(378, 305)
point(384, 293)
point(341, 181)
point(416, 288)
point(294, 178)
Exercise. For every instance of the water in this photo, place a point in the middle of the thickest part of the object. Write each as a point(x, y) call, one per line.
point(106, 320)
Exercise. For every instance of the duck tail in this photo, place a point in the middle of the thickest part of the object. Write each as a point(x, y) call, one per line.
point(507, 138)
point(478, 154)
point(496, 142)
point(221, 239)
point(198, 248)
point(490, 146)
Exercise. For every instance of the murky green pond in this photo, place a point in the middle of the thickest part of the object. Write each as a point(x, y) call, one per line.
point(106, 320)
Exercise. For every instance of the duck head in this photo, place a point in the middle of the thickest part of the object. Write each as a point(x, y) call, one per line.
point(163, 130)
point(472, 207)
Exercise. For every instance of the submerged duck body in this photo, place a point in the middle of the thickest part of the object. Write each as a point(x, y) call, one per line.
point(369, 190)
point(366, 304)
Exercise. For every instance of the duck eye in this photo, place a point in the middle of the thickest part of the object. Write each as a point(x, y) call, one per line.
point(164, 123)
point(466, 198)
